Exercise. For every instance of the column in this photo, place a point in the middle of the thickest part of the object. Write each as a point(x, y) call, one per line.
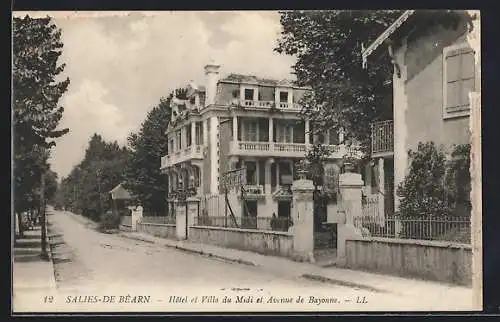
point(271, 130)
point(193, 135)
point(267, 175)
point(307, 132)
point(381, 189)
point(400, 104)
point(235, 128)
point(205, 132)
point(303, 219)
point(341, 136)
point(350, 185)
point(368, 178)
point(214, 158)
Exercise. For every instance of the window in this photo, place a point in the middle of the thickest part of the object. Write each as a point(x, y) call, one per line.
point(199, 133)
point(458, 79)
point(171, 146)
point(188, 135)
point(248, 94)
point(178, 139)
point(284, 132)
point(333, 137)
point(250, 130)
point(251, 172)
point(283, 97)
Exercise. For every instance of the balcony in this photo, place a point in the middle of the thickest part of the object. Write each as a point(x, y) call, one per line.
point(382, 139)
point(280, 149)
point(270, 104)
point(189, 153)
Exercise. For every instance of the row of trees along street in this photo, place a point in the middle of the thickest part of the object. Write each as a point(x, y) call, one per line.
point(37, 47)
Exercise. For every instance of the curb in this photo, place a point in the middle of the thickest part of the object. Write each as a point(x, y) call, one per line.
point(194, 251)
point(320, 278)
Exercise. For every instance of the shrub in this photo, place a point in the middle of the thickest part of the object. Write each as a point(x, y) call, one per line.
point(458, 181)
point(422, 191)
point(109, 220)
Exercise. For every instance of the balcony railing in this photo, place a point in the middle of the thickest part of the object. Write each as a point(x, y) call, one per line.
point(294, 150)
point(254, 146)
point(383, 138)
point(290, 147)
point(191, 152)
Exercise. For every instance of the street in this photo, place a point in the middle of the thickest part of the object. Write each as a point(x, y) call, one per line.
point(109, 264)
point(98, 272)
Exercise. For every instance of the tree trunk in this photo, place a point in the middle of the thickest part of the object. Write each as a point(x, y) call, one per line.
point(42, 217)
point(20, 223)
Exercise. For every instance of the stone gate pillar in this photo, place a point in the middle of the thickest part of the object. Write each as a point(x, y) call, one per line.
point(303, 219)
point(137, 214)
point(180, 219)
point(193, 204)
point(350, 185)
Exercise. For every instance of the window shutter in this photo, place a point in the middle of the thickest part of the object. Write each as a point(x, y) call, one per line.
point(460, 79)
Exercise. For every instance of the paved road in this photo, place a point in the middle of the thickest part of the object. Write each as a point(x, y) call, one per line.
point(109, 264)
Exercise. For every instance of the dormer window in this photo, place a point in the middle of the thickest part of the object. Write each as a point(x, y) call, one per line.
point(248, 94)
point(283, 97)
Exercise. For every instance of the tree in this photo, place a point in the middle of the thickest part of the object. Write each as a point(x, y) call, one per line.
point(143, 176)
point(37, 47)
point(87, 187)
point(328, 46)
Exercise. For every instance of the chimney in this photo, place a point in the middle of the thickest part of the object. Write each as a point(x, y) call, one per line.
point(211, 79)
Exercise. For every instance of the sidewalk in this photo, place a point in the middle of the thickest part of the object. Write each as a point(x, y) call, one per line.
point(33, 277)
point(345, 277)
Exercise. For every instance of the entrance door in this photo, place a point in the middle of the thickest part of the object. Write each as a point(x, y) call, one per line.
point(325, 236)
point(284, 214)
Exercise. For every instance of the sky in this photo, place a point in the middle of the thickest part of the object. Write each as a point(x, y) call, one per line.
point(120, 65)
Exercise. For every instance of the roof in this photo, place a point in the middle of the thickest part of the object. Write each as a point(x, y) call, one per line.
point(385, 35)
point(406, 24)
point(119, 192)
point(251, 79)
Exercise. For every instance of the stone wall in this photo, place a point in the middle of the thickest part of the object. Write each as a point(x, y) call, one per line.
point(433, 260)
point(158, 230)
point(263, 242)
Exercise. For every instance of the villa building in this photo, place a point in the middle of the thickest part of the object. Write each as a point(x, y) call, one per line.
point(247, 123)
point(435, 72)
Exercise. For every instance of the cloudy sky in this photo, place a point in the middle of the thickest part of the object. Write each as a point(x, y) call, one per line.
point(120, 64)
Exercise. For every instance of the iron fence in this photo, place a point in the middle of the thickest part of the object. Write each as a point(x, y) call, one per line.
point(257, 223)
point(166, 220)
point(423, 227)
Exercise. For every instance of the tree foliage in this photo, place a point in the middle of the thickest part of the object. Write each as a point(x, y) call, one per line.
point(37, 89)
point(328, 46)
point(86, 189)
point(148, 146)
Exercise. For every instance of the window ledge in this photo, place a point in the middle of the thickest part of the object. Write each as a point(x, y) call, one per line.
point(458, 114)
